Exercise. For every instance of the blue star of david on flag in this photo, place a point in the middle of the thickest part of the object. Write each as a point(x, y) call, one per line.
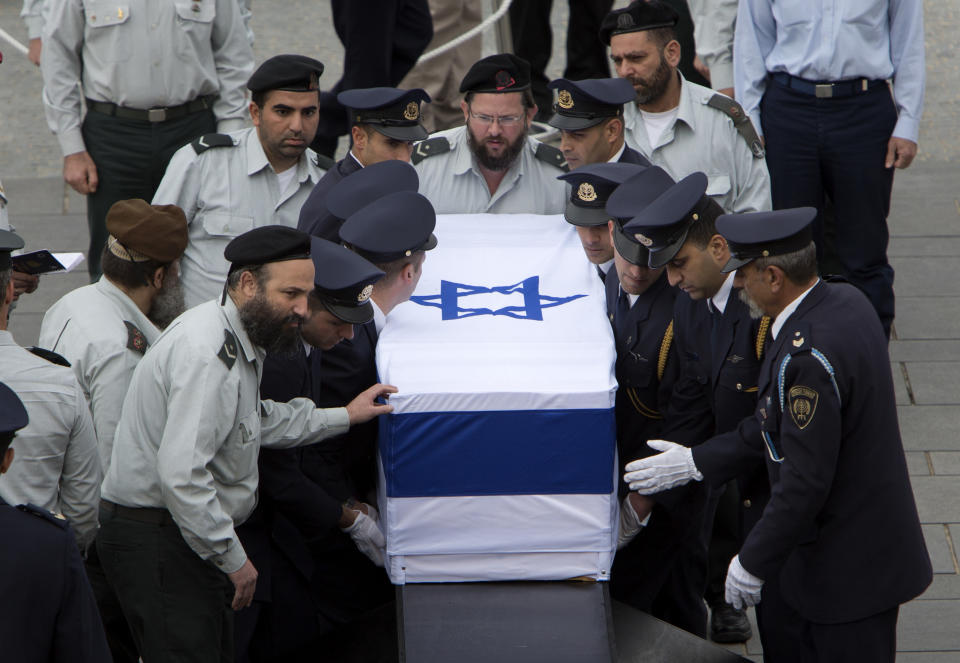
point(448, 301)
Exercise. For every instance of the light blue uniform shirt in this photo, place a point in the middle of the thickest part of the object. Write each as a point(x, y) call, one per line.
point(832, 40)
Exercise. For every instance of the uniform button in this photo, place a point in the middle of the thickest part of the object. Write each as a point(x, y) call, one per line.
point(739, 387)
point(747, 503)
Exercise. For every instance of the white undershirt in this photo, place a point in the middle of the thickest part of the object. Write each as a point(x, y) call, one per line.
point(285, 178)
point(616, 157)
point(657, 123)
point(379, 319)
point(719, 300)
point(788, 311)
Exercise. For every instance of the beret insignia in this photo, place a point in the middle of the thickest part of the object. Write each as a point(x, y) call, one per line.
point(624, 21)
point(503, 79)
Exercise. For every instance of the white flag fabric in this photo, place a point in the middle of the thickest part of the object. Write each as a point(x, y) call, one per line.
point(499, 460)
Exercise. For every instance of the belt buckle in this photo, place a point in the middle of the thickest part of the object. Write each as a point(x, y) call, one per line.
point(157, 114)
point(823, 90)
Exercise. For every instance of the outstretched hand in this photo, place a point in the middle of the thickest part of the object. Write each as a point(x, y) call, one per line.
point(364, 407)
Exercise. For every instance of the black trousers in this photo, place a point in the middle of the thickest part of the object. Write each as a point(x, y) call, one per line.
point(123, 649)
point(818, 148)
point(382, 40)
point(131, 157)
point(533, 41)
point(177, 605)
point(724, 542)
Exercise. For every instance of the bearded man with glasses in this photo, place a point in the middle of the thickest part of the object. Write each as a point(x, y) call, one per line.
point(491, 164)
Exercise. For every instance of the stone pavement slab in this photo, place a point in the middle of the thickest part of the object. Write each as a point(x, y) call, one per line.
point(937, 500)
point(929, 626)
point(940, 548)
point(930, 427)
point(927, 317)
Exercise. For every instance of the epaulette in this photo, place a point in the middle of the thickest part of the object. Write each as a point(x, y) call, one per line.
point(206, 141)
point(800, 340)
point(323, 161)
point(551, 155)
point(55, 518)
point(835, 278)
point(664, 351)
point(762, 330)
point(228, 351)
point(429, 148)
point(135, 339)
point(50, 356)
point(741, 121)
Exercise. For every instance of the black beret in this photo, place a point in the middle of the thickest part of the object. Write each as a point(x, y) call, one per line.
point(762, 234)
point(638, 15)
point(583, 104)
point(145, 231)
point(267, 244)
point(370, 183)
point(9, 241)
point(394, 113)
point(294, 73)
point(590, 187)
point(13, 415)
point(503, 72)
point(392, 227)
point(343, 280)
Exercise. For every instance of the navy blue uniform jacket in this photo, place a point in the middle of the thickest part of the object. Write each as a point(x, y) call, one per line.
point(841, 526)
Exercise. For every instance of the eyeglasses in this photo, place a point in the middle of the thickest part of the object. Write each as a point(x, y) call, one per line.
point(506, 121)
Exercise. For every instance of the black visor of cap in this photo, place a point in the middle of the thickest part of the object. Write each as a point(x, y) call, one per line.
point(629, 249)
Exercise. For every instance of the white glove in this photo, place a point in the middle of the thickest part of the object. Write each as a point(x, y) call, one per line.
point(630, 523)
point(367, 536)
point(743, 588)
point(654, 474)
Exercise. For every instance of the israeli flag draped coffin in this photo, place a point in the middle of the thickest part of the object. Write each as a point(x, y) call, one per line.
point(498, 461)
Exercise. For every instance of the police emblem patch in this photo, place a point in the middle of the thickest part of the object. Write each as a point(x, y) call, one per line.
point(586, 192)
point(365, 293)
point(643, 239)
point(803, 405)
point(503, 79)
point(412, 111)
point(564, 99)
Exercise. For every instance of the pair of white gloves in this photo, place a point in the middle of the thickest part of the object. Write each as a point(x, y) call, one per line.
point(669, 469)
point(366, 534)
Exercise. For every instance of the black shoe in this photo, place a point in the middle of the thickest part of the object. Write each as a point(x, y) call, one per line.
point(727, 624)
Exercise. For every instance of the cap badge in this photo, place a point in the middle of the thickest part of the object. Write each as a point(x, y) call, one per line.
point(624, 20)
point(503, 79)
point(564, 99)
point(586, 192)
point(412, 111)
point(643, 239)
point(365, 293)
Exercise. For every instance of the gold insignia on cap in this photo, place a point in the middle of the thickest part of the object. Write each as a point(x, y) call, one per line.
point(696, 217)
point(365, 293)
point(803, 405)
point(766, 253)
point(564, 99)
point(586, 192)
point(643, 239)
point(408, 253)
point(412, 111)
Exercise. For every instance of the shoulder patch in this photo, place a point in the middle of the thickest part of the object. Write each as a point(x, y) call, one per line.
point(50, 356)
point(551, 155)
point(429, 148)
point(34, 510)
point(741, 121)
point(323, 161)
point(228, 351)
point(135, 339)
point(206, 141)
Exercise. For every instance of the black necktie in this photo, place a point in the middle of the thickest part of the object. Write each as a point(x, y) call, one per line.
point(714, 328)
point(621, 315)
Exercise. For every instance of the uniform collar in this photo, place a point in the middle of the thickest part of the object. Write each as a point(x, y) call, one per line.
point(232, 316)
point(379, 319)
point(788, 310)
point(6, 338)
point(719, 301)
point(686, 109)
point(257, 159)
point(616, 157)
point(129, 311)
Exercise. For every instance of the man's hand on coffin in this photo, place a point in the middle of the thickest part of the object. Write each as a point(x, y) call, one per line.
point(367, 536)
point(674, 467)
point(634, 516)
point(365, 407)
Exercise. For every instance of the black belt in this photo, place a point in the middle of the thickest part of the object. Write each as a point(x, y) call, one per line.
point(826, 90)
point(152, 515)
point(152, 114)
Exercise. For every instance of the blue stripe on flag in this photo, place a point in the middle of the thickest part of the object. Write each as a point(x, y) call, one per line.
point(543, 452)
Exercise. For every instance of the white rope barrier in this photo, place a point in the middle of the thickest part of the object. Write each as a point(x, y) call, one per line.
point(469, 34)
point(7, 37)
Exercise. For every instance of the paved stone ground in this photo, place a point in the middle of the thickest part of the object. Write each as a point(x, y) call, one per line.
point(924, 250)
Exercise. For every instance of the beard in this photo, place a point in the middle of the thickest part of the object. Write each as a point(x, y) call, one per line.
point(168, 304)
point(268, 329)
point(653, 88)
point(755, 311)
point(502, 162)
